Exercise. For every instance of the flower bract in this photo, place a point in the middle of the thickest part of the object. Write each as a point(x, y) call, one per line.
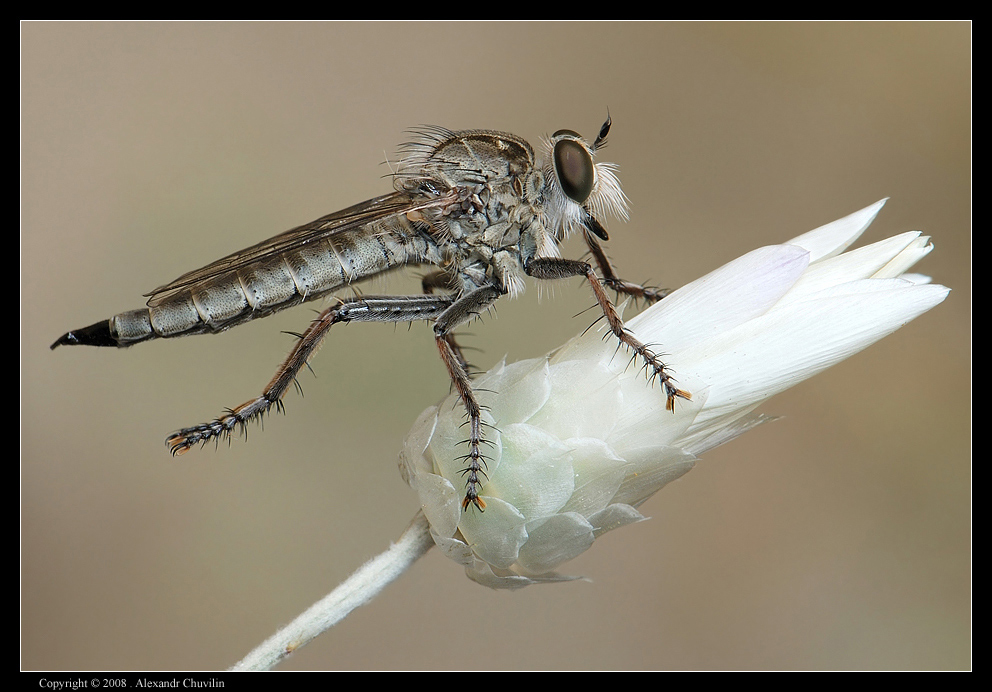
point(579, 439)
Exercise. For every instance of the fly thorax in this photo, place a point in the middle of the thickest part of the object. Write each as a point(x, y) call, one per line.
point(480, 255)
point(458, 229)
point(473, 276)
point(500, 235)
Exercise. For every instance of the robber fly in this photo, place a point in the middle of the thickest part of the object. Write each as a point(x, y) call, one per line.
point(478, 205)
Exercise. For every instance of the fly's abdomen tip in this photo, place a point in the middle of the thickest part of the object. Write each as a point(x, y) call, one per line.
point(94, 335)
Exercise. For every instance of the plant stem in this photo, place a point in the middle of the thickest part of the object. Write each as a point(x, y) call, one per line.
point(360, 588)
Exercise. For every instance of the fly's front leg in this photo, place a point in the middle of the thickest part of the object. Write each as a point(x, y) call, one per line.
point(610, 278)
point(464, 309)
point(369, 309)
point(554, 268)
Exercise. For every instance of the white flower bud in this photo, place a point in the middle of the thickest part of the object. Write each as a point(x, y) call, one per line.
point(579, 439)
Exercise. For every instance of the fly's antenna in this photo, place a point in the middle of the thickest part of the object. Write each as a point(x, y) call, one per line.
point(603, 132)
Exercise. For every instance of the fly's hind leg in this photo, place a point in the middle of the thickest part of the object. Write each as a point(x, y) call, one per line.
point(462, 310)
point(555, 268)
point(366, 309)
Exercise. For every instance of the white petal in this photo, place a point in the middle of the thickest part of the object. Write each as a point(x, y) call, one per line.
point(535, 471)
point(496, 534)
point(862, 263)
point(515, 392)
point(645, 421)
point(440, 502)
point(733, 294)
point(454, 549)
point(835, 237)
point(918, 279)
point(613, 517)
point(412, 459)
point(720, 431)
point(501, 579)
point(651, 469)
point(585, 403)
point(598, 473)
point(919, 249)
point(791, 344)
point(561, 538)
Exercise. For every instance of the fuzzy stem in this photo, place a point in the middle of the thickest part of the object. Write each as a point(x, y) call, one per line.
point(360, 588)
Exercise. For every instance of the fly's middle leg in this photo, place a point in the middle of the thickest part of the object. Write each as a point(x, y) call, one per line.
point(441, 280)
point(463, 310)
point(367, 309)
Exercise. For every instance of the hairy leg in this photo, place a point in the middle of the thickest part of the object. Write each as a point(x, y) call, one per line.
point(555, 268)
point(464, 309)
point(610, 278)
point(367, 309)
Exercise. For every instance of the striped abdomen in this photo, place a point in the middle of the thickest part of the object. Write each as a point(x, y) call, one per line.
point(201, 303)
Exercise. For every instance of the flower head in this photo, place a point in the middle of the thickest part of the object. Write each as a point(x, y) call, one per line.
point(579, 438)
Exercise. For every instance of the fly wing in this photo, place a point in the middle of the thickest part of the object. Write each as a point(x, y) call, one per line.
point(361, 214)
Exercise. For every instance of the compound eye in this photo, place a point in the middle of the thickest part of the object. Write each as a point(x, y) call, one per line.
point(575, 171)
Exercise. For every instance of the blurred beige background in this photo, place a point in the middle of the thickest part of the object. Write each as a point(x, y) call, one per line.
point(837, 537)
